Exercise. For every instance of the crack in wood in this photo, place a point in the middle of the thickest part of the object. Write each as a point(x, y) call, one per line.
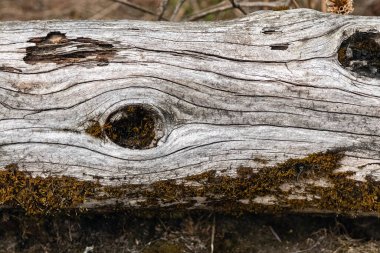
point(283, 46)
point(10, 69)
point(55, 47)
point(270, 30)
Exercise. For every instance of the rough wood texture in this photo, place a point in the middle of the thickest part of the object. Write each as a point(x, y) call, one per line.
point(252, 92)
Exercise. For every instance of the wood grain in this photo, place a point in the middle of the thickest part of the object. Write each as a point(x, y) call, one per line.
point(266, 86)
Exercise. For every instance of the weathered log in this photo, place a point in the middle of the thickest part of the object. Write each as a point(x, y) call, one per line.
point(274, 110)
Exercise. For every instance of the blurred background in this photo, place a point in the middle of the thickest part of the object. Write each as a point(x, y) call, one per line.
point(175, 10)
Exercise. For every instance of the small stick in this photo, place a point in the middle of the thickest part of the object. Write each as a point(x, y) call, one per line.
point(275, 234)
point(137, 7)
point(237, 6)
point(101, 14)
point(176, 10)
point(295, 4)
point(162, 9)
point(225, 5)
point(212, 236)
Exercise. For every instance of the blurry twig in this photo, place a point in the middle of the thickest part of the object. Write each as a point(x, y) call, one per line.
point(162, 9)
point(176, 10)
point(137, 7)
point(225, 5)
point(275, 4)
point(195, 5)
point(296, 4)
point(104, 12)
point(237, 5)
point(230, 4)
point(275, 234)
point(323, 6)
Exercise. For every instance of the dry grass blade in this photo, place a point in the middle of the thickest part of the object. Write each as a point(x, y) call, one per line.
point(212, 236)
point(275, 234)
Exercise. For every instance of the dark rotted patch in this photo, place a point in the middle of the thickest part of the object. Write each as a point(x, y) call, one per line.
point(134, 126)
point(360, 53)
point(55, 47)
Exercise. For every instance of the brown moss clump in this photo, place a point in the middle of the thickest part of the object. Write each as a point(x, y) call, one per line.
point(342, 55)
point(348, 195)
point(95, 130)
point(216, 191)
point(225, 193)
point(37, 195)
point(267, 181)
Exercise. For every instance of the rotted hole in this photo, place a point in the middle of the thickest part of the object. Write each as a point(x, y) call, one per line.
point(135, 126)
point(360, 53)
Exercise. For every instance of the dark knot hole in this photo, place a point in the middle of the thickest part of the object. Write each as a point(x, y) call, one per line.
point(360, 53)
point(135, 126)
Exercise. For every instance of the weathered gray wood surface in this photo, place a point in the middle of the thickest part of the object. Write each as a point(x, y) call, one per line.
point(266, 86)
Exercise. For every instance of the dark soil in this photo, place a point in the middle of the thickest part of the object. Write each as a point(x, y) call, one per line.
point(190, 232)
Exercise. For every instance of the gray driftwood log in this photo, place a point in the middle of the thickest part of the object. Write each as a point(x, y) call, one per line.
point(253, 94)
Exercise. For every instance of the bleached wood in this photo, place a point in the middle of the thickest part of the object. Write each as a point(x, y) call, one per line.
point(227, 96)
